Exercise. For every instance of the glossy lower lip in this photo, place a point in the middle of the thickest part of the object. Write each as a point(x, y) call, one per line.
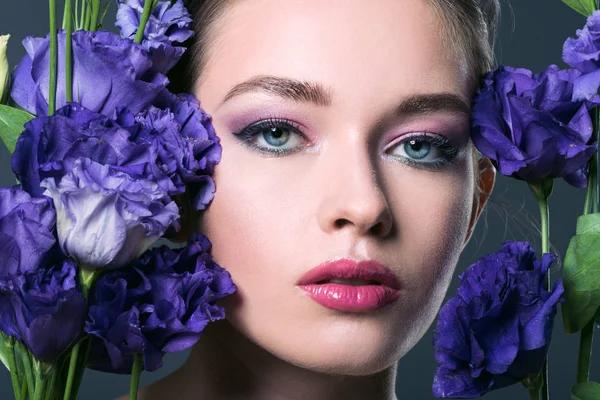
point(342, 297)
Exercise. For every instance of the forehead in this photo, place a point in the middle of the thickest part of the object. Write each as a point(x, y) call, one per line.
point(361, 49)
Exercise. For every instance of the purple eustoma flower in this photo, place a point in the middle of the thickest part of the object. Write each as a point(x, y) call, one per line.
point(529, 126)
point(48, 310)
point(44, 309)
point(197, 128)
point(168, 24)
point(108, 72)
point(497, 329)
point(583, 54)
point(26, 232)
point(160, 304)
point(106, 218)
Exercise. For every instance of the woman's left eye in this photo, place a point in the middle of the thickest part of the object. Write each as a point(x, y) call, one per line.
point(423, 150)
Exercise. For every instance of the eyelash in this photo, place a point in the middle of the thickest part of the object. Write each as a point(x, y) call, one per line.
point(248, 133)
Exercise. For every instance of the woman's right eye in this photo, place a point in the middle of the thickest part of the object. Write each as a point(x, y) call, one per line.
point(273, 136)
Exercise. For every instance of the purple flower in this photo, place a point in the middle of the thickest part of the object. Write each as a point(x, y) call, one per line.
point(168, 24)
point(26, 232)
point(106, 218)
point(49, 147)
point(44, 309)
point(583, 54)
point(108, 72)
point(197, 129)
point(497, 329)
point(160, 304)
point(529, 126)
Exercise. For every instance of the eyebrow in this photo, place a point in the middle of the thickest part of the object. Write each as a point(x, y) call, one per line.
point(315, 93)
point(308, 92)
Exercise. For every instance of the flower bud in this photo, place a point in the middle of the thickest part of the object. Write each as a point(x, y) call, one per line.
point(4, 75)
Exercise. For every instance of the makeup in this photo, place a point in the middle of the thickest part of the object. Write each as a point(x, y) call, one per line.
point(348, 285)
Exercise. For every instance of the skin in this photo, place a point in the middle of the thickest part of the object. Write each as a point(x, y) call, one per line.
point(346, 193)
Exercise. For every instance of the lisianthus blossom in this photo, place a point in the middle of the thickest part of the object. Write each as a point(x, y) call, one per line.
point(112, 200)
point(40, 303)
point(196, 127)
point(530, 127)
point(26, 231)
point(583, 54)
point(44, 309)
point(168, 24)
point(106, 218)
point(497, 329)
point(108, 72)
point(161, 303)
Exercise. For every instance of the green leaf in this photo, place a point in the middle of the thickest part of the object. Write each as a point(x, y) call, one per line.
point(11, 125)
point(585, 391)
point(585, 7)
point(581, 274)
point(4, 350)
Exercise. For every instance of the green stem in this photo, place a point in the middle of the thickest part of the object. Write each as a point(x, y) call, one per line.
point(24, 388)
point(585, 352)
point(12, 365)
point(71, 375)
point(26, 359)
point(52, 388)
point(148, 7)
point(40, 385)
point(82, 364)
point(69, 51)
point(53, 58)
point(534, 394)
point(83, 15)
point(135, 376)
point(542, 191)
point(95, 13)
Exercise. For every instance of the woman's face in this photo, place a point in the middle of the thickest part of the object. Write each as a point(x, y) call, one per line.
point(316, 103)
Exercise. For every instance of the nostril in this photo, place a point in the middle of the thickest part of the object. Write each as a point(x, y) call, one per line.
point(340, 223)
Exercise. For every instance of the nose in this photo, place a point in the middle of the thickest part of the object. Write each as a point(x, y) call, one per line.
point(351, 194)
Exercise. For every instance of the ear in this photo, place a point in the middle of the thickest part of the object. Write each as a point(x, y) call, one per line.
point(487, 178)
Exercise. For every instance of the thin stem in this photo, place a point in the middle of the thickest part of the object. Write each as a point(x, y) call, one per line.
point(534, 394)
point(72, 365)
point(95, 13)
point(82, 363)
point(40, 385)
point(148, 6)
point(52, 387)
point(24, 388)
point(53, 58)
point(542, 191)
point(26, 359)
point(585, 352)
point(12, 365)
point(69, 52)
point(82, 16)
point(135, 376)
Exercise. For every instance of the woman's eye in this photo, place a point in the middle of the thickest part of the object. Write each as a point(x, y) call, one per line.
point(424, 150)
point(273, 136)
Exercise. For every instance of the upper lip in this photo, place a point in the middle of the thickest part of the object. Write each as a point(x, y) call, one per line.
point(350, 269)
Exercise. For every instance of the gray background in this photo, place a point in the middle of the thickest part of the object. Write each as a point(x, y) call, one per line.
point(531, 36)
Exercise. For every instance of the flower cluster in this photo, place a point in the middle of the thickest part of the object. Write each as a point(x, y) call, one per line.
point(100, 175)
point(496, 331)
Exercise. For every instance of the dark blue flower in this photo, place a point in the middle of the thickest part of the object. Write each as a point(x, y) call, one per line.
point(583, 54)
point(531, 128)
point(44, 309)
point(26, 232)
point(108, 72)
point(160, 304)
point(197, 129)
point(497, 329)
point(168, 24)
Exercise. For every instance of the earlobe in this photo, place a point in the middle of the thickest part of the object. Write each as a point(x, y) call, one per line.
point(487, 178)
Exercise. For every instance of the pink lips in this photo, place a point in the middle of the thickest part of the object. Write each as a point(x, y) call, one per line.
point(344, 297)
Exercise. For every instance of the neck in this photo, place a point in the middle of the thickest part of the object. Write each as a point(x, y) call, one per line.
point(225, 365)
